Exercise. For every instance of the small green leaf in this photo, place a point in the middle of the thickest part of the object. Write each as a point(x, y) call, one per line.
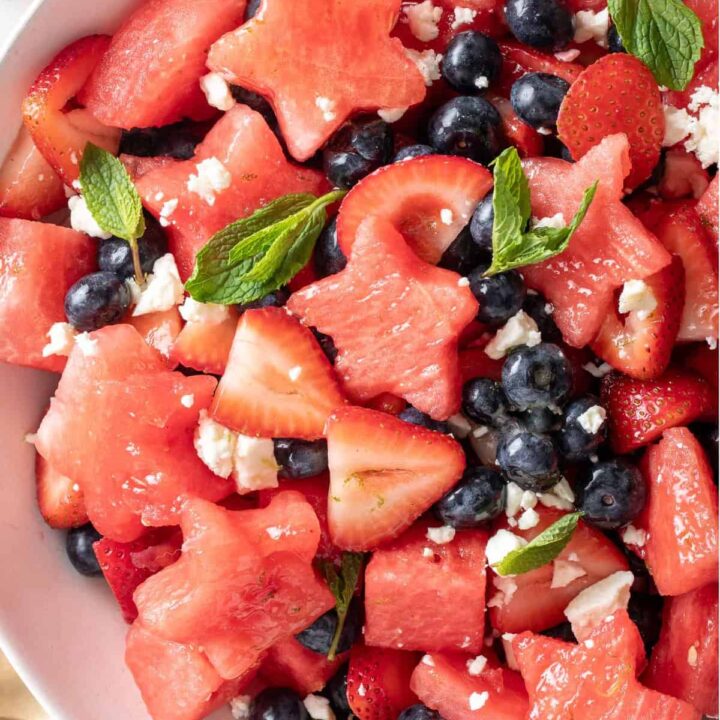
point(665, 34)
point(542, 549)
point(342, 586)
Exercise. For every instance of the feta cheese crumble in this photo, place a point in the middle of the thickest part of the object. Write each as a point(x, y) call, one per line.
point(318, 707)
point(240, 707)
point(254, 466)
point(217, 92)
point(592, 419)
point(598, 601)
point(187, 400)
point(168, 208)
point(62, 339)
point(423, 19)
point(529, 519)
point(477, 700)
point(637, 297)
point(502, 543)
point(590, 25)
point(553, 221)
point(513, 498)
point(441, 535)
point(215, 445)
point(677, 125)
point(565, 572)
point(88, 346)
point(428, 63)
point(211, 179)
point(446, 216)
point(326, 107)
point(163, 289)
point(481, 82)
point(634, 536)
point(206, 313)
point(519, 330)
point(391, 115)
point(81, 219)
point(597, 371)
point(476, 666)
point(704, 139)
point(462, 16)
point(506, 587)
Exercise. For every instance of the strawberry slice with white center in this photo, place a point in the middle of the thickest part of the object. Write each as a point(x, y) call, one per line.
point(60, 498)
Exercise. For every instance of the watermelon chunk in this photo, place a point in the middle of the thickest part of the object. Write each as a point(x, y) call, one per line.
point(707, 207)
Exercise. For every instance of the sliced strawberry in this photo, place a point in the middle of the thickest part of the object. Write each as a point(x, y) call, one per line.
point(640, 410)
point(683, 175)
point(61, 136)
point(278, 382)
point(384, 473)
point(593, 109)
point(519, 59)
point(160, 330)
point(378, 682)
point(703, 360)
point(641, 346)
point(428, 199)
point(528, 141)
point(394, 319)
point(205, 346)
point(60, 499)
point(707, 208)
point(29, 187)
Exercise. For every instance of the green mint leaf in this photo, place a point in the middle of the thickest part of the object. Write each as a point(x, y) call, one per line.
point(256, 255)
point(342, 586)
point(542, 549)
point(665, 34)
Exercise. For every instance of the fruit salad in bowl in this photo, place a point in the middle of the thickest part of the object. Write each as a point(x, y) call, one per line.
point(385, 338)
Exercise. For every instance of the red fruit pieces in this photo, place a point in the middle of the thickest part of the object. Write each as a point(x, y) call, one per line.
point(394, 320)
point(528, 141)
point(150, 74)
point(160, 330)
point(38, 264)
point(707, 208)
point(616, 94)
point(429, 200)
point(310, 100)
point(640, 410)
point(278, 382)
point(60, 498)
point(206, 346)
point(519, 59)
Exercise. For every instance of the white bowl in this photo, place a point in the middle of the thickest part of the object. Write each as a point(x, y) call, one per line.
point(62, 632)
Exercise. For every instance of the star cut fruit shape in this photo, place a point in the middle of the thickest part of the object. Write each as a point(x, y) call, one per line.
point(315, 79)
point(394, 319)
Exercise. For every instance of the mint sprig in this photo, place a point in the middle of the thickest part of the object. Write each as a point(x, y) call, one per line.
point(513, 246)
point(256, 255)
point(542, 549)
point(665, 34)
point(112, 199)
point(342, 586)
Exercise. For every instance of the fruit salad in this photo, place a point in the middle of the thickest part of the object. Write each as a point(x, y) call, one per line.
point(386, 341)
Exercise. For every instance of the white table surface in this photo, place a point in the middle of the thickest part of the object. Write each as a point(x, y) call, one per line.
point(10, 13)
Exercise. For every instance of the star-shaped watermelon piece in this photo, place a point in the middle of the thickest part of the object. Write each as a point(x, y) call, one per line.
point(318, 62)
point(394, 319)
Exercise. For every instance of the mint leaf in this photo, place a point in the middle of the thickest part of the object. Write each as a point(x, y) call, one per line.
point(256, 255)
point(542, 549)
point(513, 247)
point(342, 586)
point(665, 34)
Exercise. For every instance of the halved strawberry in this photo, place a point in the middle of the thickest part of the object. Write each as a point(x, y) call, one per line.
point(519, 59)
point(160, 330)
point(641, 346)
point(61, 136)
point(378, 682)
point(60, 499)
point(205, 346)
point(384, 473)
point(278, 382)
point(683, 175)
point(528, 141)
point(428, 199)
point(707, 208)
point(702, 359)
point(615, 94)
point(640, 410)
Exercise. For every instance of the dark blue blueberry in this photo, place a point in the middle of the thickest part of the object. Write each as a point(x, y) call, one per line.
point(574, 441)
point(552, 147)
point(278, 704)
point(255, 102)
point(646, 612)
point(415, 417)
point(329, 258)
point(541, 311)
point(252, 8)
point(462, 255)
point(115, 256)
point(610, 493)
point(318, 636)
point(336, 692)
point(483, 400)
point(471, 62)
point(536, 98)
point(79, 548)
point(499, 296)
point(466, 126)
point(528, 459)
point(300, 458)
point(356, 149)
point(177, 141)
point(477, 498)
point(277, 298)
point(615, 43)
point(481, 225)
point(412, 151)
point(96, 300)
point(563, 632)
point(326, 344)
point(539, 376)
point(419, 712)
point(539, 420)
point(543, 24)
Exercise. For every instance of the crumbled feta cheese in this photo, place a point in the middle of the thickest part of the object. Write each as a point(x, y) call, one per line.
point(459, 426)
point(87, 345)
point(254, 466)
point(217, 92)
point(568, 55)
point(62, 339)
point(519, 330)
point(326, 107)
point(513, 499)
point(632, 535)
point(565, 572)
point(446, 216)
point(477, 700)
point(481, 82)
point(563, 490)
point(692, 656)
point(428, 63)
point(597, 371)
point(211, 179)
point(502, 543)
point(82, 220)
point(590, 25)
point(168, 208)
point(507, 640)
point(206, 313)
point(554, 221)
point(187, 400)
point(163, 289)
point(528, 500)
point(294, 373)
point(592, 419)
point(428, 660)
point(677, 125)
point(423, 18)
point(712, 342)
point(215, 445)
point(506, 587)
point(704, 139)
point(476, 666)
point(240, 707)
point(318, 707)
point(441, 535)
point(598, 601)
point(462, 16)
point(560, 496)
point(529, 519)
point(463, 282)
point(275, 532)
point(427, 552)
point(637, 297)
point(391, 115)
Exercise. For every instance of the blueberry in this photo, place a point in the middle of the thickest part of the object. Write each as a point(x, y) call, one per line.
point(257, 103)
point(539, 376)
point(329, 258)
point(541, 311)
point(278, 704)
point(419, 712)
point(415, 417)
point(356, 149)
point(536, 98)
point(412, 151)
point(528, 459)
point(615, 43)
point(499, 296)
point(574, 441)
point(483, 400)
point(539, 420)
point(318, 636)
point(336, 692)
point(277, 298)
point(115, 256)
point(177, 141)
point(326, 344)
point(462, 255)
point(481, 225)
point(300, 458)
point(471, 62)
point(252, 8)
point(79, 548)
point(477, 498)
point(540, 23)
point(646, 612)
point(610, 493)
point(466, 126)
point(96, 300)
